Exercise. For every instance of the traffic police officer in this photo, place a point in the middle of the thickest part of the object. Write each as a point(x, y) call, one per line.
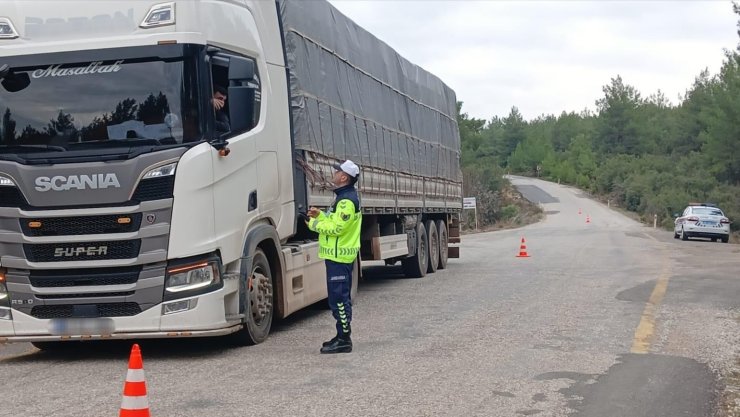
point(339, 244)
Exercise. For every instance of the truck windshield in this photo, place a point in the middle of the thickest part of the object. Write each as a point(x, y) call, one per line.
point(48, 108)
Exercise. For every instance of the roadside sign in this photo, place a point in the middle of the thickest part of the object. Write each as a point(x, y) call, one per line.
point(471, 203)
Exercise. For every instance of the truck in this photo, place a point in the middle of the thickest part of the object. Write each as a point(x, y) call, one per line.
point(132, 206)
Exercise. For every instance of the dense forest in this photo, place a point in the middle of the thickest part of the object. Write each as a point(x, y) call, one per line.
point(640, 152)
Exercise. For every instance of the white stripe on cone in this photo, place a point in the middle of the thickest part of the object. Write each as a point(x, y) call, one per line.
point(135, 375)
point(135, 403)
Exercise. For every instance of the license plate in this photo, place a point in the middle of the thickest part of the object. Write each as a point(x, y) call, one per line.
point(708, 224)
point(81, 326)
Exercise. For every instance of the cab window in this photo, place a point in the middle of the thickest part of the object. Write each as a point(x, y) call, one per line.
point(236, 93)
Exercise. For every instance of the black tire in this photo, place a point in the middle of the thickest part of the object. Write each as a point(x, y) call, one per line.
point(684, 236)
point(725, 239)
point(433, 246)
point(714, 239)
point(259, 302)
point(675, 235)
point(444, 244)
point(416, 266)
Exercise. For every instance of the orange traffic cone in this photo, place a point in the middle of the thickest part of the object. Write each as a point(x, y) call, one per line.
point(588, 219)
point(523, 250)
point(135, 402)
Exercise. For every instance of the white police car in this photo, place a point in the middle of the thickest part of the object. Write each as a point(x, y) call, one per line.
point(702, 220)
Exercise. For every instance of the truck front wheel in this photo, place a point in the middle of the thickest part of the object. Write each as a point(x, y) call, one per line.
point(258, 302)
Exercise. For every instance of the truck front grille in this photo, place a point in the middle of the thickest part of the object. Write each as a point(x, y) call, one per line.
point(12, 197)
point(86, 310)
point(82, 251)
point(155, 189)
point(84, 295)
point(92, 225)
point(148, 190)
point(84, 277)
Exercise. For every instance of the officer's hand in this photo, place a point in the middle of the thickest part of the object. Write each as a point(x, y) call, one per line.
point(313, 212)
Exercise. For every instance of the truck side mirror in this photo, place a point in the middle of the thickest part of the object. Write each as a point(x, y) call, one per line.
point(242, 89)
point(241, 108)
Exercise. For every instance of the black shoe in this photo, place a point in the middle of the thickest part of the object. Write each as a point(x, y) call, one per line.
point(340, 345)
point(327, 343)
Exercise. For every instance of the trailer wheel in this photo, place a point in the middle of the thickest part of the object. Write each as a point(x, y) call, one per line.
point(444, 244)
point(416, 266)
point(258, 302)
point(433, 246)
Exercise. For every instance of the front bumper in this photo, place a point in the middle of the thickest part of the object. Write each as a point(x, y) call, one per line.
point(212, 315)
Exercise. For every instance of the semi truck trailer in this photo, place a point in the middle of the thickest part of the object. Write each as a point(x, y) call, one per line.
point(135, 205)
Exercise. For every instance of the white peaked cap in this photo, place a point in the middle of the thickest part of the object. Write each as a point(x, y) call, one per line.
point(349, 168)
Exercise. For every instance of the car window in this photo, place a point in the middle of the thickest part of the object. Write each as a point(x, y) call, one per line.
point(708, 211)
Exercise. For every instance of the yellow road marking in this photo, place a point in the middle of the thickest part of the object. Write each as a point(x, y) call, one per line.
point(646, 329)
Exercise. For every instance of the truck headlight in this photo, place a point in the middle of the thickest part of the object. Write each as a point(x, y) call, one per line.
point(192, 279)
point(4, 295)
point(163, 171)
point(6, 181)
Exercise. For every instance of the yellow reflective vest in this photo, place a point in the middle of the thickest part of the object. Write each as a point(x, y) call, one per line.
point(339, 232)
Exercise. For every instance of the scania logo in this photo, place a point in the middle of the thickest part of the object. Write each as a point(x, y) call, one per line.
point(77, 182)
point(80, 251)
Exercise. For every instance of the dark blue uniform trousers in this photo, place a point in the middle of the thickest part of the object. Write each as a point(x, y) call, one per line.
point(338, 286)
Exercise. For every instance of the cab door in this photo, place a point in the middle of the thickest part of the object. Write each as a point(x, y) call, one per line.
point(236, 131)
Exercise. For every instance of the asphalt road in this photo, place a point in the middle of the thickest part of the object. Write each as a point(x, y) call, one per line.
point(607, 318)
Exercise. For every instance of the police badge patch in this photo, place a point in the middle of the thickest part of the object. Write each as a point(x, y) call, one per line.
point(345, 216)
